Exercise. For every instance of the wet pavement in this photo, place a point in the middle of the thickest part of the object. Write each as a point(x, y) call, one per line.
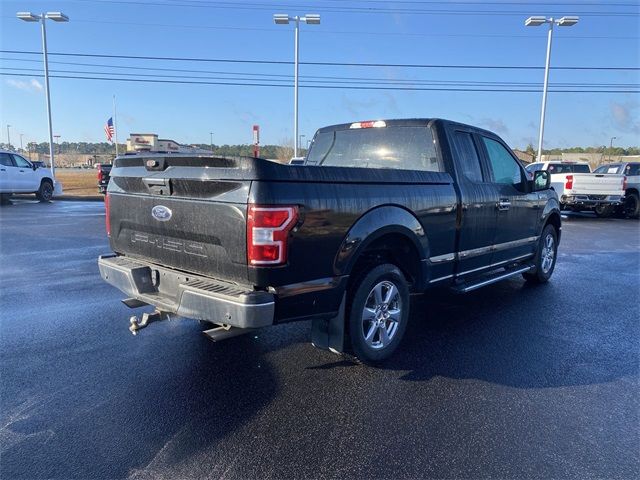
point(507, 381)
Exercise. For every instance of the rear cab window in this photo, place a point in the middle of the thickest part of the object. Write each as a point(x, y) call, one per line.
point(568, 168)
point(632, 169)
point(394, 147)
point(467, 156)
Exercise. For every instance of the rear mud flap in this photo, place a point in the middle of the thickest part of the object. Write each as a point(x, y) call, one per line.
point(328, 333)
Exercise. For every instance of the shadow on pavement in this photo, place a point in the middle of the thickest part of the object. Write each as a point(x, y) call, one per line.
point(115, 419)
point(523, 337)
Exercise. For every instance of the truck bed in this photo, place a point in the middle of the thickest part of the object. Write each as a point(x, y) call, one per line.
point(208, 198)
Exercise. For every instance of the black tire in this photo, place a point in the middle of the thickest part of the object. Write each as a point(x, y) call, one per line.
point(45, 193)
point(389, 313)
point(543, 270)
point(632, 206)
point(604, 211)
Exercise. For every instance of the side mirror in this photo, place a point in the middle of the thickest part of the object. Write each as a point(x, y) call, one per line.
point(34, 166)
point(541, 180)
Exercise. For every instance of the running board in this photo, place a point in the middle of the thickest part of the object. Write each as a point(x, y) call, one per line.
point(470, 286)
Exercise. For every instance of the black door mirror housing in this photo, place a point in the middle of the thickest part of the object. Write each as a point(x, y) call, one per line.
point(541, 180)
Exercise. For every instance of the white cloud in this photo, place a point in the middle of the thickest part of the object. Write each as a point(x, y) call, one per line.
point(495, 124)
point(36, 84)
point(624, 116)
point(32, 85)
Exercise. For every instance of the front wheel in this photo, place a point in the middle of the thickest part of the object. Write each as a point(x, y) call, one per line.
point(45, 193)
point(378, 313)
point(545, 259)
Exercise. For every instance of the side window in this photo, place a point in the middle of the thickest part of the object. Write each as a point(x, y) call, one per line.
point(602, 169)
point(534, 167)
point(468, 158)
point(505, 169)
point(5, 159)
point(21, 162)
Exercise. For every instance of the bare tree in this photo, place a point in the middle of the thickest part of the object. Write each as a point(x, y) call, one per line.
point(284, 151)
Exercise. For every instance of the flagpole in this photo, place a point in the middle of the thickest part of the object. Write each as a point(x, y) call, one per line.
point(115, 123)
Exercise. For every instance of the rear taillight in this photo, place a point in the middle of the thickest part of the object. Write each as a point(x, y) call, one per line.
point(99, 174)
point(624, 184)
point(267, 233)
point(107, 218)
point(569, 183)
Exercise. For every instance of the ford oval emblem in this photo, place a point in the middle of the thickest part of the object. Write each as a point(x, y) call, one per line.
point(161, 213)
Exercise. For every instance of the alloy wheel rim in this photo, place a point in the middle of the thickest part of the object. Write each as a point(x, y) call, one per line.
point(381, 315)
point(548, 253)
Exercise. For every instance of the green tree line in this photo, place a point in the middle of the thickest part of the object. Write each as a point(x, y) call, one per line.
point(269, 151)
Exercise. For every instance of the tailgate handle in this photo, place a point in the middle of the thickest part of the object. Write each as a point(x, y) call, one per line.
point(158, 186)
point(155, 181)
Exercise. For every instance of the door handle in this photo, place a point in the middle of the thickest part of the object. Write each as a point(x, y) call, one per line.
point(21, 171)
point(503, 204)
point(3, 169)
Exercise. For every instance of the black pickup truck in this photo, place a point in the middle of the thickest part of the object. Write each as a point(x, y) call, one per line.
point(379, 210)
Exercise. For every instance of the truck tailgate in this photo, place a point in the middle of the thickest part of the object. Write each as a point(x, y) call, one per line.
point(596, 184)
point(185, 215)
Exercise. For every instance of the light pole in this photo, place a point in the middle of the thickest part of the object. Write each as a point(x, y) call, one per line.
point(8, 137)
point(21, 149)
point(284, 19)
point(536, 22)
point(211, 140)
point(56, 17)
point(611, 147)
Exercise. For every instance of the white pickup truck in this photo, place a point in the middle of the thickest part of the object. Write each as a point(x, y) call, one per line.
point(19, 175)
point(578, 189)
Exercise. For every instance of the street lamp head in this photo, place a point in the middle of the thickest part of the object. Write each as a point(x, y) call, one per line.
point(57, 16)
point(281, 18)
point(568, 21)
point(311, 19)
point(28, 16)
point(535, 21)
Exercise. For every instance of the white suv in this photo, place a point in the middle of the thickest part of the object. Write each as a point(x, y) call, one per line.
point(19, 175)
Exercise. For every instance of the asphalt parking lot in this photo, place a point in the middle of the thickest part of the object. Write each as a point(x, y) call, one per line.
point(508, 381)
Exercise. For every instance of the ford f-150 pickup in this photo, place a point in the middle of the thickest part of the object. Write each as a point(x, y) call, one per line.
point(379, 210)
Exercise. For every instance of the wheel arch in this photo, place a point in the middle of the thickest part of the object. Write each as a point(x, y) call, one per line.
point(554, 219)
point(388, 233)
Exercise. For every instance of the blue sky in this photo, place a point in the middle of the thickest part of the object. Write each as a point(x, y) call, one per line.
point(412, 32)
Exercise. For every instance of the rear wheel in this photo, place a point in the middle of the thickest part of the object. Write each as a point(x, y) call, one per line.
point(632, 206)
point(604, 211)
point(45, 193)
point(545, 259)
point(378, 313)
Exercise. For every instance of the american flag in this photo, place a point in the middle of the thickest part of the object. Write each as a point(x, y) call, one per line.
point(108, 129)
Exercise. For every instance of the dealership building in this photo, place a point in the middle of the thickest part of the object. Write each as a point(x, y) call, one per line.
point(149, 142)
